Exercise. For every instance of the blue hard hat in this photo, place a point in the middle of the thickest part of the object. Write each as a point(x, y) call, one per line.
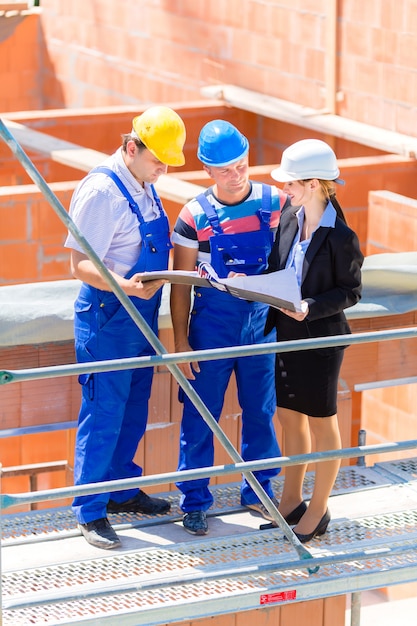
point(220, 143)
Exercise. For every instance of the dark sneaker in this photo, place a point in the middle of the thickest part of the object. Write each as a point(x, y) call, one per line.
point(141, 503)
point(195, 522)
point(99, 533)
point(259, 508)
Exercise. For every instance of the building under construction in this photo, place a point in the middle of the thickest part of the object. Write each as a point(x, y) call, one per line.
point(73, 77)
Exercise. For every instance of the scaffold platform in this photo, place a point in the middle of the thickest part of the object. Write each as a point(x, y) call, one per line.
point(163, 575)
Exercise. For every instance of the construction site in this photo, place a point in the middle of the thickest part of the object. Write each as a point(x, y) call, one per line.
point(74, 75)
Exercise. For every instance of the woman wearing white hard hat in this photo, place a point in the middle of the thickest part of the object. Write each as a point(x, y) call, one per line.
point(314, 239)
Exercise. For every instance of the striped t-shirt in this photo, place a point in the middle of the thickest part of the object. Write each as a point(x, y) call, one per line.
point(192, 228)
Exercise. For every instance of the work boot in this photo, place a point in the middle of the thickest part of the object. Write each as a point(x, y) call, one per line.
point(140, 503)
point(100, 534)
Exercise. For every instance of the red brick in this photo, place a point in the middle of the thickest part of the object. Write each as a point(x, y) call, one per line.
point(161, 442)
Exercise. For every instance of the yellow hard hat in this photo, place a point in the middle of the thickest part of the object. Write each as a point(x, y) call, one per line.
point(163, 132)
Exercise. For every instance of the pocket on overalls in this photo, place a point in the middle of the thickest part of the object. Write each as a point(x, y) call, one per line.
point(108, 307)
point(243, 252)
point(157, 246)
point(82, 320)
point(256, 260)
point(87, 382)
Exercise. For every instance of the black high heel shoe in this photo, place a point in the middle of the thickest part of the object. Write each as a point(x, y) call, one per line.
point(291, 519)
point(294, 517)
point(319, 530)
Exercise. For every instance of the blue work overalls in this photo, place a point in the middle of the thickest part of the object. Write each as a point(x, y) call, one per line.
point(114, 406)
point(220, 320)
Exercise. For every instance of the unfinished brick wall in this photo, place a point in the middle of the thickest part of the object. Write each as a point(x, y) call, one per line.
point(321, 612)
point(392, 222)
point(88, 54)
point(31, 232)
point(124, 53)
point(388, 414)
point(22, 55)
point(34, 234)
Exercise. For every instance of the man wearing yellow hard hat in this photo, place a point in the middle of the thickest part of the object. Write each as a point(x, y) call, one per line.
point(120, 214)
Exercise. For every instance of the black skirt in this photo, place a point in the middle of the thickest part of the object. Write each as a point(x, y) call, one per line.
point(307, 381)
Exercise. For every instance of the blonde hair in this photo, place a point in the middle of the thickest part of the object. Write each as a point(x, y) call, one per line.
point(329, 192)
point(328, 188)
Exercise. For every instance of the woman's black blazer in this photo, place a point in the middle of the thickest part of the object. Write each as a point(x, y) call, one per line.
point(331, 279)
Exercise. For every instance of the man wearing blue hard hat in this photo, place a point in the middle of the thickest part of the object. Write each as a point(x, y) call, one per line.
point(231, 225)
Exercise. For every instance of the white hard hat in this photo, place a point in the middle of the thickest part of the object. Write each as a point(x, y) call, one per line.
point(306, 159)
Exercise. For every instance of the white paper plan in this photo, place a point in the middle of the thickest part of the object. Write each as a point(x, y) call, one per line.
point(278, 289)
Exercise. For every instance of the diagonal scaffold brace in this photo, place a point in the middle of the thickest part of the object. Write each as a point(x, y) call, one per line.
point(153, 340)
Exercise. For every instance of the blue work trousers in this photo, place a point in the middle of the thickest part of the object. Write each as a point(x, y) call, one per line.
point(221, 320)
point(114, 407)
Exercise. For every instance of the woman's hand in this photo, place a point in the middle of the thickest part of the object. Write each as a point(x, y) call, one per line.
point(297, 315)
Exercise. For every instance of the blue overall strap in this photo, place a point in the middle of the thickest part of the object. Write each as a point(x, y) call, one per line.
point(264, 212)
point(102, 169)
point(210, 212)
point(157, 200)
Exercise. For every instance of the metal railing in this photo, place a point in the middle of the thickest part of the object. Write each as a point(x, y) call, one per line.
point(10, 500)
point(312, 565)
point(171, 362)
point(33, 470)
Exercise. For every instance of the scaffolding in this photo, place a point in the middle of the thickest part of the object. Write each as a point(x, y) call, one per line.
point(180, 581)
point(46, 582)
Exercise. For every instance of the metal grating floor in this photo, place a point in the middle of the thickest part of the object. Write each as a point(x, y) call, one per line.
point(48, 524)
point(403, 469)
point(205, 576)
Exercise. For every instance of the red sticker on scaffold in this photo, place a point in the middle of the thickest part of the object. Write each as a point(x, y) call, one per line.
point(282, 596)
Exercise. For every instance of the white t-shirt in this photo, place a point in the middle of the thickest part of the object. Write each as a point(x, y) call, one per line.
point(102, 214)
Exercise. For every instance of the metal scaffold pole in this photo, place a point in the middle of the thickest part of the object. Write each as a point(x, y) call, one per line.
point(355, 609)
point(150, 336)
